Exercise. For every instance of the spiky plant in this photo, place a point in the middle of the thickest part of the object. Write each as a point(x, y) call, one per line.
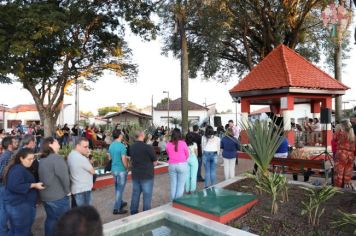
point(264, 139)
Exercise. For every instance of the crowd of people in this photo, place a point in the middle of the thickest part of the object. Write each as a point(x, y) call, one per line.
point(30, 176)
point(343, 150)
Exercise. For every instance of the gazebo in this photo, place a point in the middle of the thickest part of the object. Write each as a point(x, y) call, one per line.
point(284, 78)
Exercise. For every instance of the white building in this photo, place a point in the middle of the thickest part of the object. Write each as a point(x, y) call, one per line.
point(28, 114)
point(197, 114)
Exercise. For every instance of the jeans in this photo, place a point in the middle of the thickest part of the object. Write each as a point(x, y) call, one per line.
point(120, 182)
point(229, 168)
point(177, 175)
point(4, 229)
point(144, 186)
point(74, 140)
point(54, 210)
point(210, 159)
point(200, 161)
point(83, 198)
point(21, 218)
point(65, 140)
point(191, 182)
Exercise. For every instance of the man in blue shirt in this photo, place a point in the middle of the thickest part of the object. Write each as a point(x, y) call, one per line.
point(117, 151)
point(9, 144)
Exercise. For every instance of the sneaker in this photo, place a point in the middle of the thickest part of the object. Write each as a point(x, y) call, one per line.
point(201, 180)
point(121, 212)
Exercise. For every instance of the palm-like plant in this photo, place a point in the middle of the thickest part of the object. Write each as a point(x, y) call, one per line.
point(264, 139)
point(316, 198)
point(346, 219)
point(274, 184)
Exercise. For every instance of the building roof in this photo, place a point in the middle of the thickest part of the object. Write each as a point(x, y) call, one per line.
point(175, 105)
point(23, 108)
point(130, 111)
point(283, 68)
point(260, 111)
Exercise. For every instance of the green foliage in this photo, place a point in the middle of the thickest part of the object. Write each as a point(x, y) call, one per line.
point(163, 104)
point(317, 196)
point(230, 37)
point(100, 157)
point(264, 140)
point(102, 111)
point(346, 219)
point(46, 45)
point(274, 184)
point(65, 150)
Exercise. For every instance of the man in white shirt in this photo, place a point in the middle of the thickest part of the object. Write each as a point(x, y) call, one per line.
point(81, 172)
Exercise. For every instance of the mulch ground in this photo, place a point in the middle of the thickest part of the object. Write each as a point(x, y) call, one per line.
point(288, 220)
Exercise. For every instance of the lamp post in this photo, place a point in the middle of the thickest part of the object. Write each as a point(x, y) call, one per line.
point(167, 92)
point(236, 100)
point(121, 105)
point(3, 114)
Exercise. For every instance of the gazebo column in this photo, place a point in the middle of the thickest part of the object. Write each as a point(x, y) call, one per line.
point(327, 133)
point(315, 109)
point(287, 115)
point(245, 111)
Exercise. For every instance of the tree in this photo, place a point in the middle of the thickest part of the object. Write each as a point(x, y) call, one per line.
point(227, 37)
point(86, 113)
point(175, 16)
point(163, 103)
point(102, 111)
point(45, 45)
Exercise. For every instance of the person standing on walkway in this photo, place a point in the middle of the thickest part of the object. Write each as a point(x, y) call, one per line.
point(143, 159)
point(197, 140)
point(236, 129)
point(81, 172)
point(178, 154)
point(119, 166)
point(54, 174)
point(210, 147)
point(20, 193)
point(230, 146)
point(344, 159)
point(9, 144)
point(75, 134)
point(191, 182)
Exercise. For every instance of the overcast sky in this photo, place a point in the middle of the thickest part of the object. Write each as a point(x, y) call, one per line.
point(156, 74)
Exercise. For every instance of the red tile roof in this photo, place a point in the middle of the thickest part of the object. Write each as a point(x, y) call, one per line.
point(23, 108)
point(283, 67)
point(175, 105)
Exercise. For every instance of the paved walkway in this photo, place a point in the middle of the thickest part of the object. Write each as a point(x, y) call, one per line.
point(103, 199)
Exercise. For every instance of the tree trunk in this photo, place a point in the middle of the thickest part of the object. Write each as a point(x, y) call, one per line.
point(48, 125)
point(338, 77)
point(184, 72)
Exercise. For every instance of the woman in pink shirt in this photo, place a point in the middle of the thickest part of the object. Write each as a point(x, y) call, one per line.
point(178, 154)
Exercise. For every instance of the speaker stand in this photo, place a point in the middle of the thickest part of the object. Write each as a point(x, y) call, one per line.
point(327, 156)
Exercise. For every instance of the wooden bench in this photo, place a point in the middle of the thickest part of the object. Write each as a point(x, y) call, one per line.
point(300, 166)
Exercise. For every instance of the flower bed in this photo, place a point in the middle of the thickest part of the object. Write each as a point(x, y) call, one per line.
point(288, 220)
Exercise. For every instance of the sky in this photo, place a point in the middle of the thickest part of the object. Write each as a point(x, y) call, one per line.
point(158, 73)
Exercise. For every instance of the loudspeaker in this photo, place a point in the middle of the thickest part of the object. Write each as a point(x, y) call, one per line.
point(279, 121)
point(325, 116)
point(217, 121)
